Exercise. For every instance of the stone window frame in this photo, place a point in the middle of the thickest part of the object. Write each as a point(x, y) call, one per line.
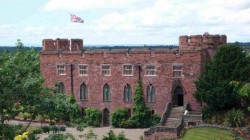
point(127, 93)
point(106, 72)
point(177, 69)
point(151, 94)
point(60, 88)
point(84, 71)
point(150, 72)
point(83, 91)
point(106, 93)
point(61, 69)
point(123, 70)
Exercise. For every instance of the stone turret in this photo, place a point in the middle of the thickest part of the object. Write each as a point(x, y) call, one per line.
point(62, 44)
point(201, 41)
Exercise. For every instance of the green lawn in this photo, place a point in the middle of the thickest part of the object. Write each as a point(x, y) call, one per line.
point(207, 133)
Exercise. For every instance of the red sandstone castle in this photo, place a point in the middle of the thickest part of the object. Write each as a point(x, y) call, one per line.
point(107, 78)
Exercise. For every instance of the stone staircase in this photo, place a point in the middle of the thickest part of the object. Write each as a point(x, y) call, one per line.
point(174, 117)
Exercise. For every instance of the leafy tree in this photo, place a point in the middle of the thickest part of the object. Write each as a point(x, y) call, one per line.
point(213, 86)
point(245, 93)
point(20, 82)
point(142, 116)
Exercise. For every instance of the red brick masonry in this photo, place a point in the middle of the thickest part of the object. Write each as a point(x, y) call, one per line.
point(193, 53)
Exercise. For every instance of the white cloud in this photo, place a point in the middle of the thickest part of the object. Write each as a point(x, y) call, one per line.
point(79, 5)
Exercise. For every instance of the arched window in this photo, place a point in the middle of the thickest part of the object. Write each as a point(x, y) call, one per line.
point(151, 93)
point(83, 92)
point(106, 92)
point(60, 88)
point(127, 93)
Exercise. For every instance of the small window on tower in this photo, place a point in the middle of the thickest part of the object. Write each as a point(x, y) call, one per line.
point(127, 70)
point(106, 70)
point(83, 70)
point(150, 70)
point(61, 69)
point(177, 70)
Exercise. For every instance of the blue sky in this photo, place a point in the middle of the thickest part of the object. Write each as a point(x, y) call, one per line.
point(122, 22)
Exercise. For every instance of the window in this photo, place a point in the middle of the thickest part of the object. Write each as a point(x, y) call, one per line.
point(151, 93)
point(61, 70)
point(150, 70)
point(106, 70)
point(127, 93)
point(177, 70)
point(60, 88)
point(127, 70)
point(83, 92)
point(83, 70)
point(106, 92)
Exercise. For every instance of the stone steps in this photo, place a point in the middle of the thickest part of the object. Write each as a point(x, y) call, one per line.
point(174, 118)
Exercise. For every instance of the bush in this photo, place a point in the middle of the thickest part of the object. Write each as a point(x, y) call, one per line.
point(155, 120)
point(8, 132)
point(206, 113)
point(90, 135)
point(93, 117)
point(55, 129)
point(32, 136)
point(119, 117)
point(46, 129)
point(37, 131)
point(62, 128)
point(111, 136)
point(60, 137)
point(235, 118)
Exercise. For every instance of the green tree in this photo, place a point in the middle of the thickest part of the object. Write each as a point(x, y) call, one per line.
point(20, 83)
point(142, 116)
point(213, 86)
point(245, 93)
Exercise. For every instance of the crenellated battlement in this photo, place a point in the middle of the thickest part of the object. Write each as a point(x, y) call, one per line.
point(62, 44)
point(201, 41)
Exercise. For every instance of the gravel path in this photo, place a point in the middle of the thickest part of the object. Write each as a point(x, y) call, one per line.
point(131, 134)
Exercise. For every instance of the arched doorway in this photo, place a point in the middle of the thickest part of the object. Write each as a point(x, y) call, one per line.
point(105, 117)
point(178, 96)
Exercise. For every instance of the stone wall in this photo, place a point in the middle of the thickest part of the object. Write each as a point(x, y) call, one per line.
point(57, 51)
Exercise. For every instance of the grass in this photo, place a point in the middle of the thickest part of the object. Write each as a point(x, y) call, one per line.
point(207, 133)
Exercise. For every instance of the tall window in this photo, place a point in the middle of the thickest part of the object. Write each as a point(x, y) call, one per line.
point(127, 93)
point(83, 92)
point(127, 70)
point(106, 92)
point(177, 70)
point(61, 69)
point(106, 70)
point(60, 88)
point(151, 93)
point(83, 70)
point(150, 70)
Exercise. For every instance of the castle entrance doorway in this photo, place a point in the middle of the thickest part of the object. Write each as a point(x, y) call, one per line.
point(178, 99)
point(105, 117)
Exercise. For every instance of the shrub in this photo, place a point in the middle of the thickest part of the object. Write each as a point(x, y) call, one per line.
point(32, 136)
point(155, 119)
point(119, 117)
point(55, 129)
point(90, 135)
point(93, 117)
point(235, 118)
point(9, 132)
point(37, 131)
point(206, 113)
point(60, 137)
point(46, 129)
point(62, 128)
point(111, 136)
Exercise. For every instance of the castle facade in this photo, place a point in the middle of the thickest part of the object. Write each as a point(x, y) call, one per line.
point(106, 79)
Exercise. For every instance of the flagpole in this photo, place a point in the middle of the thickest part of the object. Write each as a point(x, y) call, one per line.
point(70, 33)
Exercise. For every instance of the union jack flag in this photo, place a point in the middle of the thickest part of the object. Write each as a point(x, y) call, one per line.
point(76, 19)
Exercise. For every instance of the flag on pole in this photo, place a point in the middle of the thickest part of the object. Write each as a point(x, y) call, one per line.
point(76, 19)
